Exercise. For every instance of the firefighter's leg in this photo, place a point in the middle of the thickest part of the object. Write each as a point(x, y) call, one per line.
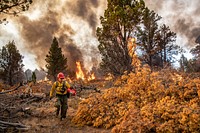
point(64, 107)
point(58, 105)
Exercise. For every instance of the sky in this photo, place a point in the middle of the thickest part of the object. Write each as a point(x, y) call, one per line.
point(74, 23)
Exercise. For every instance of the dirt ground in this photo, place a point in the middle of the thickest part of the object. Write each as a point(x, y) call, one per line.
point(44, 120)
point(40, 116)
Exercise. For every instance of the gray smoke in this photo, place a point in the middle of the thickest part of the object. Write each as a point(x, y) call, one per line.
point(84, 10)
point(60, 19)
point(181, 15)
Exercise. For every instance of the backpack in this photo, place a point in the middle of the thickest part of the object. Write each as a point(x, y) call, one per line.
point(63, 88)
point(70, 91)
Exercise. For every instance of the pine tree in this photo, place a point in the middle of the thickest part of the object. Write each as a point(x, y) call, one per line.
point(166, 43)
point(146, 36)
point(56, 61)
point(156, 43)
point(195, 61)
point(11, 64)
point(118, 24)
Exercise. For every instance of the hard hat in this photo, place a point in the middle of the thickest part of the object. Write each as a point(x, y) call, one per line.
point(60, 76)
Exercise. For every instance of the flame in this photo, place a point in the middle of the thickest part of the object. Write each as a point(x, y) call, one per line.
point(131, 46)
point(109, 76)
point(45, 78)
point(79, 72)
point(91, 77)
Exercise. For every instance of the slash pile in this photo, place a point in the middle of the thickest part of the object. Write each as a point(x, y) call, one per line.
point(145, 101)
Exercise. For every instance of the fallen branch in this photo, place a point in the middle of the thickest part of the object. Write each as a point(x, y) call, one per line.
point(16, 125)
point(7, 91)
point(89, 88)
point(34, 99)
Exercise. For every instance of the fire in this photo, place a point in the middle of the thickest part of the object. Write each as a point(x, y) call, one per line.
point(109, 77)
point(79, 72)
point(91, 77)
point(131, 46)
point(46, 79)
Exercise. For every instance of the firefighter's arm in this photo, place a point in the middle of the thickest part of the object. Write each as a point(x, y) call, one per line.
point(52, 89)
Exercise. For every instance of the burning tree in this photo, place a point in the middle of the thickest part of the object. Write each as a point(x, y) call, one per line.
point(56, 61)
point(121, 18)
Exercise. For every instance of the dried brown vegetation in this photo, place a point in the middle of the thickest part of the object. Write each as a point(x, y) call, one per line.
point(146, 101)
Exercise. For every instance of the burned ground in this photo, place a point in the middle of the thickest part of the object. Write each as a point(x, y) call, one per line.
point(21, 112)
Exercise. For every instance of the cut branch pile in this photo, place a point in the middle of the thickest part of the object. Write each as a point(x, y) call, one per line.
point(7, 91)
point(145, 102)
point(14, 103)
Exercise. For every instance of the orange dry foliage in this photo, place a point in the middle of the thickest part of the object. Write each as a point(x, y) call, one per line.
point(146, 101)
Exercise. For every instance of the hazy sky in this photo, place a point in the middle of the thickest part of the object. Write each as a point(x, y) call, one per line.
point(74, 23)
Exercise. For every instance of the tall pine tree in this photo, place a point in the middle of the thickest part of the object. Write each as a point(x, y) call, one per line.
point(56, 61)
point(146, 36)
point(11, 64)
point(118, 24)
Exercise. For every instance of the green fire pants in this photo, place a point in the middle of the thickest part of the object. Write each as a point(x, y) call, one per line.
point(61, 104)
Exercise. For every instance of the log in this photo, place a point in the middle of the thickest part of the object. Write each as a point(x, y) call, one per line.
point(18, 126)
point(35, 97)
point(7, 91)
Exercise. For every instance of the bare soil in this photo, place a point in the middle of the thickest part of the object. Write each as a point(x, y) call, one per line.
point(39, 115)
point(44, 120)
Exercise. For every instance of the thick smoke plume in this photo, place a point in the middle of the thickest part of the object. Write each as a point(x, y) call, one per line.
point(72, 22)
point(182, 16)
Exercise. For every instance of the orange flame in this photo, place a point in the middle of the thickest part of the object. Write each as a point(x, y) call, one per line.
point(91, 77)
point(109, 77)
point(79, 72)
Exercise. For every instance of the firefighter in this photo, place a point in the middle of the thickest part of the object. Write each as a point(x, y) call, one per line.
point(60, 86)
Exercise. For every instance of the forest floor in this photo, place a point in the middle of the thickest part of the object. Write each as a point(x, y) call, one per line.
point(44, 120)
point(39, 115)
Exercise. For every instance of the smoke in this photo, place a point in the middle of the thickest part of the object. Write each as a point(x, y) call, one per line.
point(85, 10)
point(182, 16)
point(72, 22)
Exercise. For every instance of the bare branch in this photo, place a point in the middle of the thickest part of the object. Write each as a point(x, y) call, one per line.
point(7, 91)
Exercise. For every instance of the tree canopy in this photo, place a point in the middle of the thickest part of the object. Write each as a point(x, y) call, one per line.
point(118, 23)
point(195, 62)
point(146, 36)
point(56, 61)
point(11, 64)
point(156, 42)
point(125, 19)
